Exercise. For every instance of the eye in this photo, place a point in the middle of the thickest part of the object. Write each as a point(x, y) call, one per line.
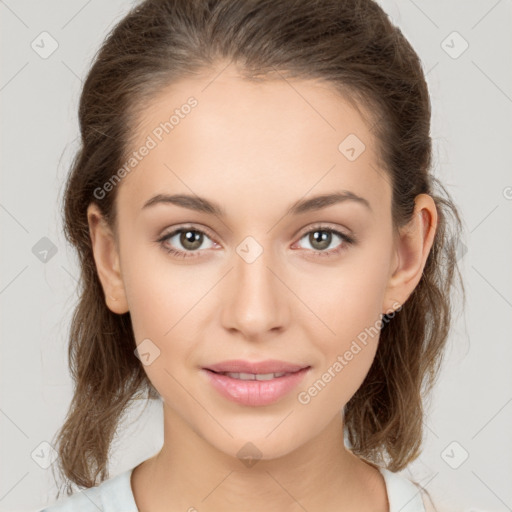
point(321, 237)
point(190, 239)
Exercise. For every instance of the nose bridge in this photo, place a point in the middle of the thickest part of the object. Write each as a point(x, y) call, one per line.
point(256, 303)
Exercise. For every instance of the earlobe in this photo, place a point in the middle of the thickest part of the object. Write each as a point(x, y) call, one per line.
point(106, 257)
point(413, 246)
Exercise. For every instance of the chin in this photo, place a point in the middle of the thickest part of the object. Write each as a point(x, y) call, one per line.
point(251, 449)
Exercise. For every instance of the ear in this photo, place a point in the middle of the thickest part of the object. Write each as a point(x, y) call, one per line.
point(412, 249)
point(106, 256)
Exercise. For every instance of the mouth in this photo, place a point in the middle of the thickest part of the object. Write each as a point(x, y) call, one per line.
point(253, 388)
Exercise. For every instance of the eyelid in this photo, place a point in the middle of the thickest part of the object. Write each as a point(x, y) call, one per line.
point(300, 233)
point(192, 227)
point(326, 226)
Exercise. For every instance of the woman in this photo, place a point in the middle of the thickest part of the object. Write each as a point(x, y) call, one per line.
point(262, 248)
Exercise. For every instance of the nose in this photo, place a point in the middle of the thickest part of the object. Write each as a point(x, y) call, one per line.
point(256, 300)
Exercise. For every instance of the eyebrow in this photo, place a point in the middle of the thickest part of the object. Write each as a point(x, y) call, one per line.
point(203, 205)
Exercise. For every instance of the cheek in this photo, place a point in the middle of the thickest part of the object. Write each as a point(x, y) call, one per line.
point(166, 302)
point(346, 330)
point(345, 355)
point(161, 295)
point(162, 316)
point(342, 302)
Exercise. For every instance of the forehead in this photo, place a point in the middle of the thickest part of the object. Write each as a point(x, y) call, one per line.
point(262, 140)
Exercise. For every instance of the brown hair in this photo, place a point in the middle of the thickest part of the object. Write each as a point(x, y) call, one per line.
point(352, 46)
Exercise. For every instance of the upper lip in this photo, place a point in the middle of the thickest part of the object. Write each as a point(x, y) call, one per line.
point(268, 366)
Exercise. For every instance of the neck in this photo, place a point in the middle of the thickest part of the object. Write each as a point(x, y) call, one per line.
point(189, 473)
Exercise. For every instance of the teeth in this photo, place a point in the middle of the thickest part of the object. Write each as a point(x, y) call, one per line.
point(253, 376)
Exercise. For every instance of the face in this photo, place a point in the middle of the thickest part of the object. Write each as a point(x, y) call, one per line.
point(256, 280)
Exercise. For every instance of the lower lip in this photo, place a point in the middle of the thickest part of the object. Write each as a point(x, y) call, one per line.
point(255, 392)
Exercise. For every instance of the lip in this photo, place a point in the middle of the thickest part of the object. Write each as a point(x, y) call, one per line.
point(253, 392)
point(267, 366)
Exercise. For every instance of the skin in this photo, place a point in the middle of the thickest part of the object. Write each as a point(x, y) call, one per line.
point(256, 149)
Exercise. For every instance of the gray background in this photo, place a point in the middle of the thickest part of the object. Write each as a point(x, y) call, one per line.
point(470, 413)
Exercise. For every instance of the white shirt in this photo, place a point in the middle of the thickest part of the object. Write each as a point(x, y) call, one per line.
point(116, 495)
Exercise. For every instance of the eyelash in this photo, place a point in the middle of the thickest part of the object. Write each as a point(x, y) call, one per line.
point(347, 240)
